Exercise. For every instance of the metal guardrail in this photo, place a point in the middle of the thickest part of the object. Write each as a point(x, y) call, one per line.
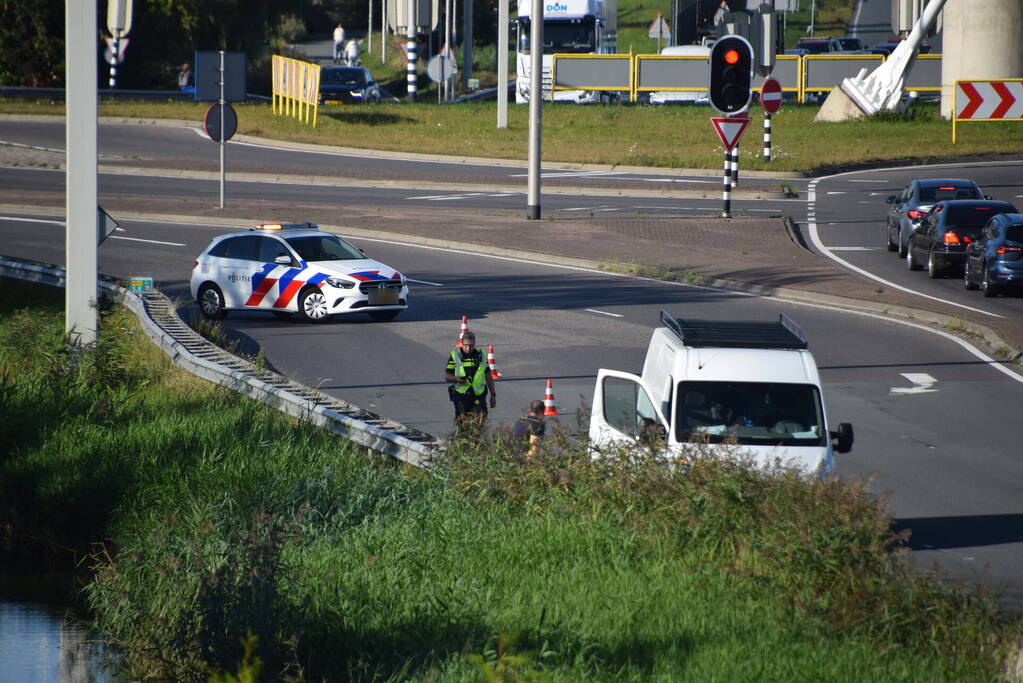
point(190, 351)
point(109, 94)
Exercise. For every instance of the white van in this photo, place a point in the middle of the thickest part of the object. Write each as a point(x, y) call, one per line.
point(673, 96)
point(752, 384)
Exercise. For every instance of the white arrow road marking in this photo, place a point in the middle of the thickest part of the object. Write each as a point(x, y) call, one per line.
point(922, 381)
point(613, 315)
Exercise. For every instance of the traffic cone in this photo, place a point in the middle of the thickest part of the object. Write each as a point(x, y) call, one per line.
point(494, 374)
point(548, 401)
point(461, 332)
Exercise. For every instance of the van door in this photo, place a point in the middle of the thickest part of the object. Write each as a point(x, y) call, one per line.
point(623, 413)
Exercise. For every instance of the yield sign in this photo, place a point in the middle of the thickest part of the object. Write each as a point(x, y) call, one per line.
point(729, 129)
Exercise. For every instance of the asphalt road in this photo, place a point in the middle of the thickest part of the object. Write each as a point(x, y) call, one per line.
point(947, 451)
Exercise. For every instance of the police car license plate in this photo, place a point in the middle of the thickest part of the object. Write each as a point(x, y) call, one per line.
point(383, 297)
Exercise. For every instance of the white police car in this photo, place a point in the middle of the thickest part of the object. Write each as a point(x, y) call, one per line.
point(290, 268)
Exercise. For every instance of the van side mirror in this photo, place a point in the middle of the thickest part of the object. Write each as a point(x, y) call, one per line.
point(842, 438)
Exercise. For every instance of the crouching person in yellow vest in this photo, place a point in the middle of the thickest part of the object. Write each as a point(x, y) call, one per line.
point(469, 382)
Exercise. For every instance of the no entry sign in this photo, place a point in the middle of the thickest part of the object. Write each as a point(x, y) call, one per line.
point(770, 95)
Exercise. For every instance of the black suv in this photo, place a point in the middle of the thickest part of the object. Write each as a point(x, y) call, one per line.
point(947, 231)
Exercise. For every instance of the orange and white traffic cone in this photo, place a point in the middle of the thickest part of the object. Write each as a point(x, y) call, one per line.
point(494, 374)
point(461, 332)
point(548, 401)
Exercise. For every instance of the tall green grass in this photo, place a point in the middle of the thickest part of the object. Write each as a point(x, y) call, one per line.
point(221, 532)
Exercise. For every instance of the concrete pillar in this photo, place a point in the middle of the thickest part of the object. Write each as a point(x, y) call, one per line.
point(981, 41)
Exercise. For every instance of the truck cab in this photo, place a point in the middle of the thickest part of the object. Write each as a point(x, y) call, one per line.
point(727, 385)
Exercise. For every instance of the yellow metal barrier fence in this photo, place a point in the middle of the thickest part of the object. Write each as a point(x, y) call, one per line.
point(296, 88)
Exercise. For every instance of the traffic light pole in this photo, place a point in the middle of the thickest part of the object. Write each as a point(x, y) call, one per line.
point(726, 194)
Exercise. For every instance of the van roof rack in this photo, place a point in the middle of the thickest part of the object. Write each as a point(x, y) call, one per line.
point(737, 334)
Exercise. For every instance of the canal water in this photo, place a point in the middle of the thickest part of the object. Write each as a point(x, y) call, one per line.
point(44, 639)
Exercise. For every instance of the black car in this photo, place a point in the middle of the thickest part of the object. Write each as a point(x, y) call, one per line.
point(915, 201)
point(948, 229)
point(994, 261)
point(348, 85)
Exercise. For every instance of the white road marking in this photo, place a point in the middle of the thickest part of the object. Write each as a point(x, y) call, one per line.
point(922, 383)
point(836, 192)
point(578, 174)
point(30, 220)
point(136, 239)
point(811, 193)
point(613, 315)
point(424, 282)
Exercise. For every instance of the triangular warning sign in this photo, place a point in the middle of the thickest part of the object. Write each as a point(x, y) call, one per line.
point(729, 129)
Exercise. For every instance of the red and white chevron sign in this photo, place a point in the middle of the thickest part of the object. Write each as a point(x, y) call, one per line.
point(989, 100)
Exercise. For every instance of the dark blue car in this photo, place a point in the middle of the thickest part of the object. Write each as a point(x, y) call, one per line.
point(994, 261)
point(348, 85)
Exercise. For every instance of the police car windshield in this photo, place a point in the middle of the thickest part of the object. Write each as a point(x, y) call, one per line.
point(324, 248)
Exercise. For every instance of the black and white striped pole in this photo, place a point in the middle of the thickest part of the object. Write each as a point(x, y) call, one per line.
point(410, 50)
point(735, 165)
point(726, 187)
point(767, 136)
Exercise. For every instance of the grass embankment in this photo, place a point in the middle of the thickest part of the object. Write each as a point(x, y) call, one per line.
point(670, 136)
point(210, 517)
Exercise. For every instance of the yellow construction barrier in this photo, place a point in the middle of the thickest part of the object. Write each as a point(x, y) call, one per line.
point(296, 88)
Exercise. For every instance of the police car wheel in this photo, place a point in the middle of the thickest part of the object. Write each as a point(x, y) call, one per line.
point(313, 306)
point(211, 302)
point(383, 316)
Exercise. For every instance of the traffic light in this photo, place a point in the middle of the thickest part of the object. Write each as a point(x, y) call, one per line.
point(731, 74)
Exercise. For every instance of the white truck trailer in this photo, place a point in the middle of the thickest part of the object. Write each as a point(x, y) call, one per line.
point(569, 27)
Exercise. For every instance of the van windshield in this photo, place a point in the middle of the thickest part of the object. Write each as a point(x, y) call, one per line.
point(752, 413)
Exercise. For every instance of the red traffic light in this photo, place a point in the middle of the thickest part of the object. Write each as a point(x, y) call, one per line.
point(732, 56)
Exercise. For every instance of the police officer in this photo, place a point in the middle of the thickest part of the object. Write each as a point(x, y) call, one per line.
point(469, 379)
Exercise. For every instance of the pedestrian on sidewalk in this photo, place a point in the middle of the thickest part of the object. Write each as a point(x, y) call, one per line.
point(469, 383)
point(339, 42)
point(529, 430)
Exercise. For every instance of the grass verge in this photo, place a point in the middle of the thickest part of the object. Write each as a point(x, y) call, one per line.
point(225, 535)
point(669, 136)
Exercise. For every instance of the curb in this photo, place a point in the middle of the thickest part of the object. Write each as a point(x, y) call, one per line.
point(950, 324)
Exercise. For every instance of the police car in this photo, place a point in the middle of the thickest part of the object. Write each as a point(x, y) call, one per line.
point(294, 268)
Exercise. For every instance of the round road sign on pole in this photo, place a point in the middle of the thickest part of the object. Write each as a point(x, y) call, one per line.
point(440, 68)
point(212, 121)
point(770, 95)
